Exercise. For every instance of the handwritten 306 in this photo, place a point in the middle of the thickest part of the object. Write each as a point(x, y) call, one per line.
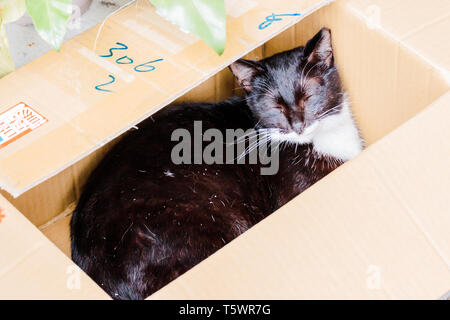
point(143, 67)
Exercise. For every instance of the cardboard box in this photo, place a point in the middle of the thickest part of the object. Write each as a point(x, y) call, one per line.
point(377, 227)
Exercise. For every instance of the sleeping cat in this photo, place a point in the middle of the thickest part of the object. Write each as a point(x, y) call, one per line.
point(142, 220)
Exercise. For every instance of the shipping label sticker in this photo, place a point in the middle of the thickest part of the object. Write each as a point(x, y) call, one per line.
point(17, 122)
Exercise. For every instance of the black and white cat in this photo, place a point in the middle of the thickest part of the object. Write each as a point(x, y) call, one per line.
point(142, 220)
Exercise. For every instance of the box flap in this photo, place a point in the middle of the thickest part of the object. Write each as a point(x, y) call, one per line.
point(111, 77)
point(31, 267)
point(377, 236)
point(421, 26)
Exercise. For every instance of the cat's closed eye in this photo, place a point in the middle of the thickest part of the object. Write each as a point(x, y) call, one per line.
point(281, 107)
point(307, 98)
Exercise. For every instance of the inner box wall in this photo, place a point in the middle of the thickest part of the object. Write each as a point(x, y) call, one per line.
point(386, 83)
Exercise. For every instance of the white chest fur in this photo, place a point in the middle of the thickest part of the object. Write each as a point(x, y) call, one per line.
point(335, 136)
point(338, 136)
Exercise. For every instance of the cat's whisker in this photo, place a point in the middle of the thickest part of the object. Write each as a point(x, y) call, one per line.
point(250, 149)
point(302, 74)
point(249, 136)
point(252, 143)
point(332, 109)
point(254, 146)
point(329, 111)
point(278, 146)
point(246, 150)
point(263, 85)
point(245, 153)
point(298, 161)
point(256, 125)
point(312, 69)
point(268, 94)
point(245, 136)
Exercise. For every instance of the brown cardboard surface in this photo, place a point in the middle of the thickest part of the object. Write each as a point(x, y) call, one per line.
point(367, 231)
point(373, 65)
point(61, 86)
point(384, 224)
point(57, 230)
point(31, 267)
point(421, 26)
point(364, 70)
point(361, 67)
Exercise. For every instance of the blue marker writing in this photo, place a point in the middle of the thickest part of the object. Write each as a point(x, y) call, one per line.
point(113, 79)
point(276, 17)
point(122, 47)
point(146, 67)
point(127, 61)
point(124, 60)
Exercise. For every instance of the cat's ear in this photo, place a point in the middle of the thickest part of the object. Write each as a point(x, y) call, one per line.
point(319, 48)
point(245, 71)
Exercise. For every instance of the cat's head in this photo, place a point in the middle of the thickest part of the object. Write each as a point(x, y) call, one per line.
point(294, 90)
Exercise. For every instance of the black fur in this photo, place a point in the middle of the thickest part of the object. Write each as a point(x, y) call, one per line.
point(142, 221)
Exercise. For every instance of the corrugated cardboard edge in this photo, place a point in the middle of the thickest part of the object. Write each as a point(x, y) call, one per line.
point(11, 189)
point(33, 268)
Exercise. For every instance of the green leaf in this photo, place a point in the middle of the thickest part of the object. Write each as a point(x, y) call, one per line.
point(12, 10)
point(6, 63)
point(205, 18)
point(50, 19)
